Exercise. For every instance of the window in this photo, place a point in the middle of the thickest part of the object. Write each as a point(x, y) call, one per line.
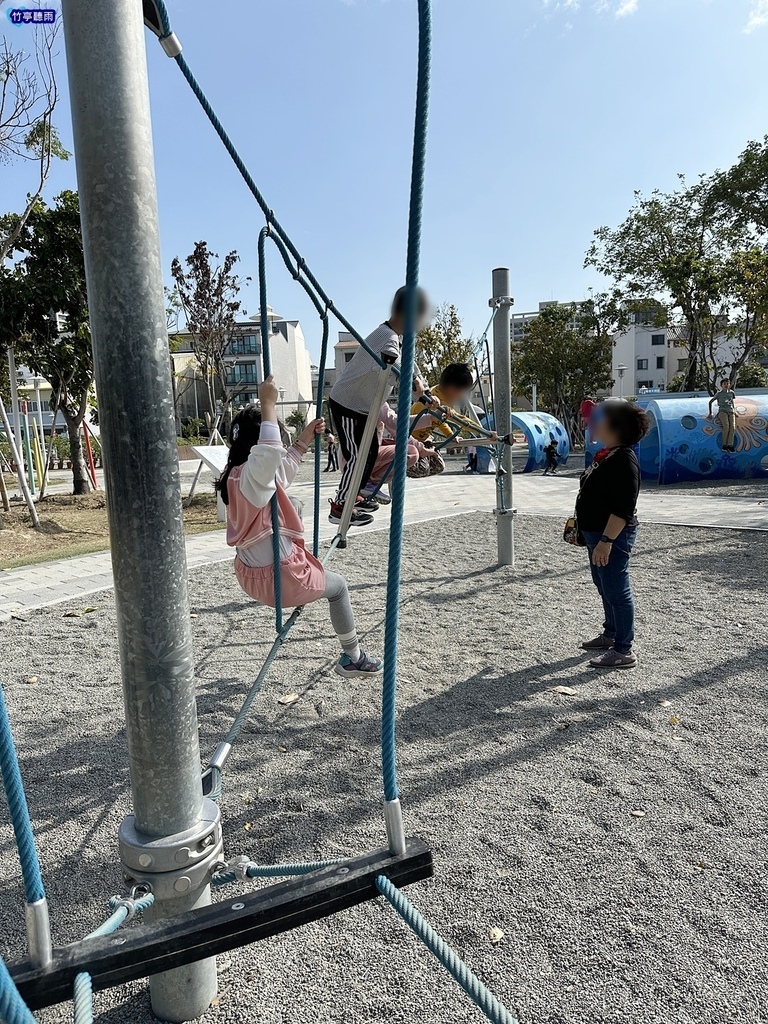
point(644, 384)
point(348, 356)
point(245, 398)
point(659, 362)
point(242, 373)
point(247, 345)
point(657, 339)
point(682, 365)
point(642, 364)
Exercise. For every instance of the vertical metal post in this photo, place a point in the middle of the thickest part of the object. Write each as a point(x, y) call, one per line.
point(107, 69)
point(502, 409)
point(535, 398)
point(15, 411)
point(41, 425)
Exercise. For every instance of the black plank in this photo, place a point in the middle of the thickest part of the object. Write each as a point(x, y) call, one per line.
point(231, 923)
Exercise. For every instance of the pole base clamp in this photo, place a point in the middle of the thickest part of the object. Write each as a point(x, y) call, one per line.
point(501, 512)
point(173, 866)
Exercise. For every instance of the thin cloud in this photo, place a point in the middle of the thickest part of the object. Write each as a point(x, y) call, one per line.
point(758, 16)
point(626, 7)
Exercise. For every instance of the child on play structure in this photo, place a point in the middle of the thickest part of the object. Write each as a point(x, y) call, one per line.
point(384, 457)
point(257, 468)
point(454, 389)
point(351, 398)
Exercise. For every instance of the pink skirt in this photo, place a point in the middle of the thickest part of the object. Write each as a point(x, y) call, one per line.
point(302, 579)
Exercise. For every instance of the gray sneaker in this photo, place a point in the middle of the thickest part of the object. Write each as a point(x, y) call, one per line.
point(612, 659)
point(600, 643)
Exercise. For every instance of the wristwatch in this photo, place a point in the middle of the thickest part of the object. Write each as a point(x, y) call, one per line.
point(606, 540)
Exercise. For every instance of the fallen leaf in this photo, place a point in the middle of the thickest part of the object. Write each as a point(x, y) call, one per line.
point(665, 703)
point(495, 935)
point(247, 826)
point(674, 720)
point(567, 690)
point(71, 615)
point(283, 750)
point(194, 615)
point(246, 797)
point(637, 814)
point(288, 699)
point(89, 609)
point(32, 680)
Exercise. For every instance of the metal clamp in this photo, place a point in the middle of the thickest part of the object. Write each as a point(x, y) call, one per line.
point(173, 865)
point(505, 512)
point(501, 302)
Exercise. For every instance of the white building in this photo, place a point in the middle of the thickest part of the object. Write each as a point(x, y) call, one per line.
point(291, 365)
point(643, 360)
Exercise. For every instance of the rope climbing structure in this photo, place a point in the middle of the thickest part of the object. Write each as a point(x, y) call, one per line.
point(313, 890)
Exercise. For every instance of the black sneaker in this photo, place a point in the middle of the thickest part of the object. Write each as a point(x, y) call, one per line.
point(358, 518)
point(366, 505)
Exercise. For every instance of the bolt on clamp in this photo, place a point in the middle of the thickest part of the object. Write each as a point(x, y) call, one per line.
point(173, 865)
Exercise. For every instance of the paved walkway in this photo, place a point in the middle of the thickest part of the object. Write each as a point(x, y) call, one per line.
point(39, 585)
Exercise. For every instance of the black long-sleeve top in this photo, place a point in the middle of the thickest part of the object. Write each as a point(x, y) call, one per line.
point(611, 488)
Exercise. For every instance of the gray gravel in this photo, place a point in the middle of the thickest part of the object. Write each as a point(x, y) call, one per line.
point(525, 795)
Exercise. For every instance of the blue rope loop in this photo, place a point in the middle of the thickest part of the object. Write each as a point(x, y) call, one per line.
point(407, 362)
point(478, 992)
point(13, 1009)
point(34, 890)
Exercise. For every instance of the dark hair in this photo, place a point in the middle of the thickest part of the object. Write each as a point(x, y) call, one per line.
point(244, 433)
point(627, 420)
point(398, 303)
point(457, 375)
point(726, 380)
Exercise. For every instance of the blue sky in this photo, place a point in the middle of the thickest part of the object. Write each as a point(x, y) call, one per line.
point(545, 117)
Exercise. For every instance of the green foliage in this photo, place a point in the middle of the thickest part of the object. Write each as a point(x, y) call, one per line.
point(191, 429)
point(48, 278)
point(564, 360)
point(442, 343)
point(699, 254)
point(62, 448)
point(296, 420)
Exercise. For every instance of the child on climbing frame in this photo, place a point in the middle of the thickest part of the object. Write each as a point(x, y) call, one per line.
point(257, 468)
point(386, 430)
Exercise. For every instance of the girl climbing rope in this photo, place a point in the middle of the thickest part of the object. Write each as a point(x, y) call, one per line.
point(259, 467)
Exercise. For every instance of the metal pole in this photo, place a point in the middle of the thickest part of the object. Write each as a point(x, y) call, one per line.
point(534, 398)
point(16, 456)
point(502, 410)
point(15, 411)
point(107, 69)
point(40, 423)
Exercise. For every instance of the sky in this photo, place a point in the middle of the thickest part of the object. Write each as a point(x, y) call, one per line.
point(546, 115)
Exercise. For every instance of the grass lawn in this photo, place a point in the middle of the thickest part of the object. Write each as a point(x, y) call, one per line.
point(76, 525)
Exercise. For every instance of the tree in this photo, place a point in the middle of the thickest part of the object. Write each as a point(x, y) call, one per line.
point(703, 263)
point(297, 420)
point(442, 343)
point(743, 190)
point(44, 313)
point(28, 99)
point(207, 293)
point(564, 361)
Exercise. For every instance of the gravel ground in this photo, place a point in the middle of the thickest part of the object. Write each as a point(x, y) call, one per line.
point(526, 795)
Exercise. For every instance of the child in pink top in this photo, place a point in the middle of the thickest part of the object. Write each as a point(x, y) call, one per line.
point(259, 467)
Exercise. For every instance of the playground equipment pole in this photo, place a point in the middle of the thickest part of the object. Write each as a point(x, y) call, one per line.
point(107, 70)
point(502, 412)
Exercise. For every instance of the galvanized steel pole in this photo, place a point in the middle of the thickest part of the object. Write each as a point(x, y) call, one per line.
point(502, 412)
point(107, 69)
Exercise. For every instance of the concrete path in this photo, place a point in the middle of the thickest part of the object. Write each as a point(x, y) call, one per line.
point(36, 586)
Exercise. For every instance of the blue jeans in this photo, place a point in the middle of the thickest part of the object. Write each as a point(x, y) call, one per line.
point(613, 585)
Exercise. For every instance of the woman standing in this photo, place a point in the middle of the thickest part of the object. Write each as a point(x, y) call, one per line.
point(607, 521)
point(332, 448)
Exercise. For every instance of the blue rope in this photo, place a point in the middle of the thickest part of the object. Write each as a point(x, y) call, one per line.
point(407, 361)
point(83, 999)
point(13, 1009)
point(118, 917)
point(17, 805)
point(266, 356)
point(451, 961)
point(273, 871)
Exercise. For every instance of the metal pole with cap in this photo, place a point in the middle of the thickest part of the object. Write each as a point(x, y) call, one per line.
point(173, 837)
point(502, 412)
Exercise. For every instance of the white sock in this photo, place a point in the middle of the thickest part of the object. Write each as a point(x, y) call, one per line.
point(354, 653)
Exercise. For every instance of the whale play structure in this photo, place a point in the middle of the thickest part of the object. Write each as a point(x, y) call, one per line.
point(685, 443)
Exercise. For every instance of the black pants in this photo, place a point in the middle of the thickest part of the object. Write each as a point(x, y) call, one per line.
point(333, 459)
point(349, 427)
